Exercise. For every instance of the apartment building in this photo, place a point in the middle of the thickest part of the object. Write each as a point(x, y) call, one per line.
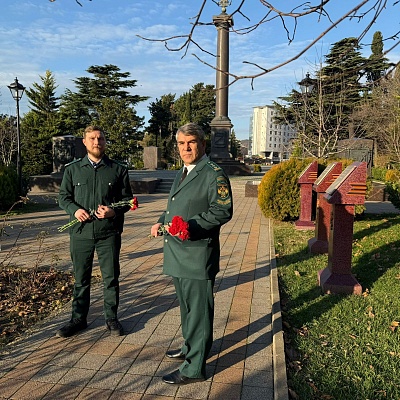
point(268, 139)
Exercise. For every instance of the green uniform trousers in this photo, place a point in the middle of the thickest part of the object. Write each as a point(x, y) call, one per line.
point(82, 253)
point(196, 303)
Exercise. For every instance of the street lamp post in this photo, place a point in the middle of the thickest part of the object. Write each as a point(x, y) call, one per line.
point(17, 90)
point(306, 85)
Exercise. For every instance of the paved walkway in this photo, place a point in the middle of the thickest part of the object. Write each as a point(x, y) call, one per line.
point(247, 358)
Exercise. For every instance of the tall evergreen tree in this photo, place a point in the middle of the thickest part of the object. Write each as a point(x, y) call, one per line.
point(377, 63)
point(324, 114)
point(81, 108)
point(41, 98)
point(122, 126)
point(345, 66)
point(162, 123)
point(39, 125)
point(197, 105)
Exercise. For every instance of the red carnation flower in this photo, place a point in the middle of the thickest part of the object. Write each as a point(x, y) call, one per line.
point(134, 203)
point(179, 227)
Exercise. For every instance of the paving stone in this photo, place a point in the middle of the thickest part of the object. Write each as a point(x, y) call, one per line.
point(95, 365)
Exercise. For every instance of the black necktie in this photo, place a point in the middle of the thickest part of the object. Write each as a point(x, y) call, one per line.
point(183, 176)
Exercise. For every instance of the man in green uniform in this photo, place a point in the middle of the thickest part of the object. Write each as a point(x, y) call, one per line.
point(201, 195)
point(89, 186)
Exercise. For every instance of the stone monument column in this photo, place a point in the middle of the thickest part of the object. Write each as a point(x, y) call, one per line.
point(221, 125)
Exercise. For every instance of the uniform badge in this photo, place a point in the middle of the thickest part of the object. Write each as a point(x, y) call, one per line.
point(222, 188)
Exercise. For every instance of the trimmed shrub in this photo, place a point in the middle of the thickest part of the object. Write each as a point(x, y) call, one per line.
point(279, 192)
point(8, 187)
point(392, 175)
point(393, 190)
point(256, 168)
point(392, 179)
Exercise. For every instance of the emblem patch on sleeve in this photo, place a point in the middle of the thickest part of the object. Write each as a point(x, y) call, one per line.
point(223, 190)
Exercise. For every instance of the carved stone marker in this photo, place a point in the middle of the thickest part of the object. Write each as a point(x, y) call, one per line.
point(344, 193)
point(306, 180)
point(319, 243)
point(151, 157)
point(63, 151)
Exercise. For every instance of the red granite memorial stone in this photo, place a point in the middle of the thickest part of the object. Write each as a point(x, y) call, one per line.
point(319, 243)
point(306, 181)
point(343, 194)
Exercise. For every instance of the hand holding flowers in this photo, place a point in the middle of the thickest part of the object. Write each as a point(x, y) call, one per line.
point(178, 227)
point(133, 203)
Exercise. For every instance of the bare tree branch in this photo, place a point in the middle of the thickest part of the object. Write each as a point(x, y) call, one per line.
point(273, 13)
point(304, 9)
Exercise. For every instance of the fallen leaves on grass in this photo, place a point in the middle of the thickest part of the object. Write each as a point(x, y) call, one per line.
point(394, 325)
point(370, 313)
point(353, 336)
point(303, 331)
point(29, 295)
point(366, 293)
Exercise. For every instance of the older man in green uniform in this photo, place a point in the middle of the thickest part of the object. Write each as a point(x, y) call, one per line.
point(89, 186)
point(201, 195)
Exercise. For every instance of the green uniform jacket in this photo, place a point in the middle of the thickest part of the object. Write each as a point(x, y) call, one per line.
point(204, 199)
point(85, 187)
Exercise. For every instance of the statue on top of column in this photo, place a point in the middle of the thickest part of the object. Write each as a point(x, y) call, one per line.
point(223, 4)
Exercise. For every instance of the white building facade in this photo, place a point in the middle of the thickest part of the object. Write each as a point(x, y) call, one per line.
point(270, 140)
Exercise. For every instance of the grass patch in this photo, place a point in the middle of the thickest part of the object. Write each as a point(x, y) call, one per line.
point(342, 347)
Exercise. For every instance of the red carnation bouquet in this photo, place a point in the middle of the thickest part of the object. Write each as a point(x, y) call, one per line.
point(178, 227)
point(134, 203)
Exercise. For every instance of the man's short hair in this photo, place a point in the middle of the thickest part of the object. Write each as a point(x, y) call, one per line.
point(191, 129)
point(92, 128)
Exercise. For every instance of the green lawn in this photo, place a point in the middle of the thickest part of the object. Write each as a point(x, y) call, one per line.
point(342, 347)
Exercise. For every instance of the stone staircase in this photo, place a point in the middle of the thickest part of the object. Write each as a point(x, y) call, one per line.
point(164, 185)
point(142, 181)
point(165, 178)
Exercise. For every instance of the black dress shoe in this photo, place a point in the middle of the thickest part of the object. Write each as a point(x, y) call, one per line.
point(72, 327)
point(177, 354)
point(115, 327)
point(176, 378)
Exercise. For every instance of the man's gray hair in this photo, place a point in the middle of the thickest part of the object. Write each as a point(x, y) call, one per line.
point(191, 129)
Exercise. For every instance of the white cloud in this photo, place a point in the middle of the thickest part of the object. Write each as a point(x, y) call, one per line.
point(66, 39)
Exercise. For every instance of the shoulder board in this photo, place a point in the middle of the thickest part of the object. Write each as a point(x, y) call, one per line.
point(214, 166)
point(73, 162)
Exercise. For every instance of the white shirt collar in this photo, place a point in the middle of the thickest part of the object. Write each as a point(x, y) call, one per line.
point(192, 166)
point(94, 163)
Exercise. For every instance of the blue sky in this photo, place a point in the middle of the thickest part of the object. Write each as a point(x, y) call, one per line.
point(62, 37)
